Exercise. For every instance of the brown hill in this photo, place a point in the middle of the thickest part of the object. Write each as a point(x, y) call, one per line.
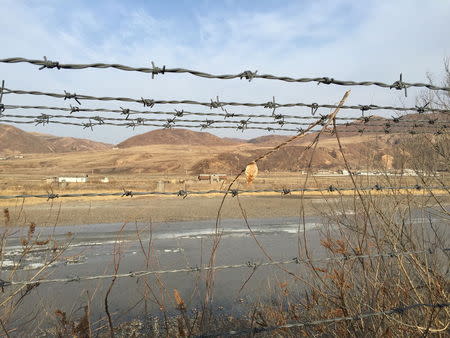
point(69, 144)
point(235, 140)
point(294, 158)
point(175, 136)
point(15, 140)
point(269, 140)
point(178, 150)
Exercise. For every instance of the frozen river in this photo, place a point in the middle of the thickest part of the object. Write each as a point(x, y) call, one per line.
point(92, 249)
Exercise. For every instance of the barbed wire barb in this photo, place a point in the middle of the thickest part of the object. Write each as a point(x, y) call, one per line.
point(399, 85)
point(157, 70)
point(2, 106)
point(271, 105)
point(68, 96)
point(49, 64)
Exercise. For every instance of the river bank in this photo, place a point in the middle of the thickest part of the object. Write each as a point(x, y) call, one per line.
point(148, 210)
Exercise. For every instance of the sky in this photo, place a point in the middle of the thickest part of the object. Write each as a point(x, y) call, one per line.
point(348, 40)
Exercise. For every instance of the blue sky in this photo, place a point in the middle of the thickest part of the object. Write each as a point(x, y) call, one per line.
point(357, 40)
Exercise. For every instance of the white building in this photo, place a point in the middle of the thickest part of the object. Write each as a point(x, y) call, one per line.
point(74, 179)
point(68, 179)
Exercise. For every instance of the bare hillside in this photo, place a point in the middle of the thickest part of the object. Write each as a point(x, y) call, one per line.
point(268, 140)
point(175, 136)
point(174, 151)
point(15, 140)
point(68, 144)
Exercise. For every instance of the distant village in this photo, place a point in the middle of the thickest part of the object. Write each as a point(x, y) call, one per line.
point(73, 179)
point(216, 177)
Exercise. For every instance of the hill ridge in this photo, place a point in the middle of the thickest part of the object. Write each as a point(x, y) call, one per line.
point(16, 140)
point(178, 136)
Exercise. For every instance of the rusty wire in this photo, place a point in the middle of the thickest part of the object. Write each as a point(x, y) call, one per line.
point(247, 74)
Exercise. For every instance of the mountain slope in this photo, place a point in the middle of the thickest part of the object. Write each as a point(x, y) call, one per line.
point(68, 144)
point(15, 140)
point(175, 136)
point(269, 140)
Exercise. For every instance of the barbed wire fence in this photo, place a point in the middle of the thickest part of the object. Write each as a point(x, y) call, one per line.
point(432, 121)
point(217, 104)
point(249, 264)
point(275, 122)
point(247, 74)
point(241, 126)
point(401, 310)
point(234, 192)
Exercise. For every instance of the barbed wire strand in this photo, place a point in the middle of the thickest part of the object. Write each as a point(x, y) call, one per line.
point(255, 330)
point(248, 264)
point(235, 192)
point(248, 75)
point(44, 118)
point(239, 126)
point(180, 113)
point(218, 104)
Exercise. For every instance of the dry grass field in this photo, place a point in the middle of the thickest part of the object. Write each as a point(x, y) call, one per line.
point(122, 166)
point(178, 166)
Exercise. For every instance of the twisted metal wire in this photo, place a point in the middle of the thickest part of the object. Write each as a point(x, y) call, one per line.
point(218, 104)
point(255, 330)
point(177, 113)
point(239, 127)
point(235, 192)
point(45, 118)
point(248, 264)
point(248, 75)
